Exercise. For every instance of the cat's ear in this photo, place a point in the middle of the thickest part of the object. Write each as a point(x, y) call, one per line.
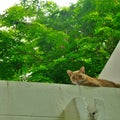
point(69, 72)
point(82, 69)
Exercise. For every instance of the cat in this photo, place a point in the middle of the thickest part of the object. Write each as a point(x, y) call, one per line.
point(80, 78)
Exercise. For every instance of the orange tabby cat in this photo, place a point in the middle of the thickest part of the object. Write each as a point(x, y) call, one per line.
point(79, 77)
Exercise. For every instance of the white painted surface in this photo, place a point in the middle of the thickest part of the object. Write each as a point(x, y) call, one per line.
point(111, 71)
point(38, 101)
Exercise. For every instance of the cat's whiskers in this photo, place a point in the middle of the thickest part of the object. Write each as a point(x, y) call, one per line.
point(84, 77)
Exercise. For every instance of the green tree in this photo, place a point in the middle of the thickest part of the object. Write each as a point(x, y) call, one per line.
point(40, 40)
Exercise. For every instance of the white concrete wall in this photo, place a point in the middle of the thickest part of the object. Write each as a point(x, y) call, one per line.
point(34, 101)
point(37, 101)
point(111, 71)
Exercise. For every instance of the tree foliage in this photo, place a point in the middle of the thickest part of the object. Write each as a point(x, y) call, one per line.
point(40, 40)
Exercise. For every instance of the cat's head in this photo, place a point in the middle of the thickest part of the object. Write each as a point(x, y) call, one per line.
point(77, 77)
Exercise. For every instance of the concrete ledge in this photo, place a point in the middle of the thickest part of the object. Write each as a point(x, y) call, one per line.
point(38, 101)
point(76, 110)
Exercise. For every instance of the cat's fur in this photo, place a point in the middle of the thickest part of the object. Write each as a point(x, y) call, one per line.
point(79, 77)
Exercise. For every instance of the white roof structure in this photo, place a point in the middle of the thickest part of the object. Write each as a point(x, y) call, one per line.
point(111, 71)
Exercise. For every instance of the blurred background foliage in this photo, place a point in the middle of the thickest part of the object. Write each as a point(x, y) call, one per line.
point(39, 40)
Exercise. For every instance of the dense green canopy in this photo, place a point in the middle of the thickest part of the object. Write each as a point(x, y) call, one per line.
point(39, 40)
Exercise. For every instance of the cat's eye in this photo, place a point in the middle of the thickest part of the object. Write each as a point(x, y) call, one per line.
point(73, 77)
point(80, 76)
